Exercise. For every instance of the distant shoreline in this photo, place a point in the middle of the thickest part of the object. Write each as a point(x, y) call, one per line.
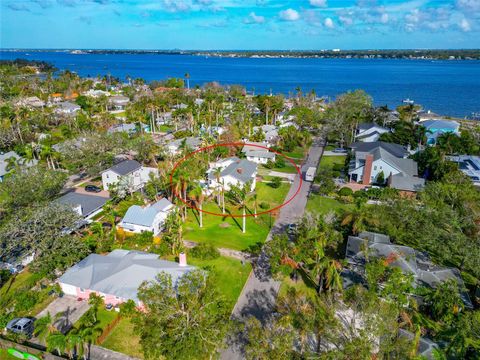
point(459, 54)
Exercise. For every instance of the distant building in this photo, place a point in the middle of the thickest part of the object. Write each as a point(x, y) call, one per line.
point(407, 259)
point(117, 276)
point(67, 108)
point(234, 171)
point(469, 165)
point(32, 102)
point(11, 159)
point(119, 102)
point(139, 219)
point(191, 143)
point(257, 152)
point(128, 174)
point(435, 128)
point(369, 132)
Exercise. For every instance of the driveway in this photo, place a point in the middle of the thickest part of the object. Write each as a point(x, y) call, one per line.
point(66, 311)
point(260, 292)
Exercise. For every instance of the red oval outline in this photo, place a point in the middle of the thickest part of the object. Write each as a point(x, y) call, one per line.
point(235, 144)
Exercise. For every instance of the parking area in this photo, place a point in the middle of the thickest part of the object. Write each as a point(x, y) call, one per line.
point(66, 311)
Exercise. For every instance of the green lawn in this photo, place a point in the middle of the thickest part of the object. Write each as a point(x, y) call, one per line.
point(323, 205)
point(230, 273)
point(124, 340)
point(297, 153)
point(104, 318)
point(289, 169)
point(166, 128)
point(331, 162)
point(225, 231)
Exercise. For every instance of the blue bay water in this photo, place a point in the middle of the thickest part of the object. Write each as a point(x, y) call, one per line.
point(445, 87)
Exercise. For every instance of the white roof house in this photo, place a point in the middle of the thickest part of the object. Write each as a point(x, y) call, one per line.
point(119, 101)
point(469, 165)
point(128, 174)
point(139, 219)
point(234, 171)
point(192, 143)
point(369, 132)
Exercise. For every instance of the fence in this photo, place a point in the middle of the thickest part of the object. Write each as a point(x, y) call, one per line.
point(37, 350)
point(108, 329)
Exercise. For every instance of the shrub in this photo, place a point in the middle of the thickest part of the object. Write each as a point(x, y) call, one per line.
point(345, 191)
point(380, 177)
point(276, 182)
point(205, 251)
point(269, 164)
point(280, 162)
point(264, 205)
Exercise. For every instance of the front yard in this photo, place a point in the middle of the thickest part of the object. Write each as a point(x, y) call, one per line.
point(323, 205)
point(226, 231)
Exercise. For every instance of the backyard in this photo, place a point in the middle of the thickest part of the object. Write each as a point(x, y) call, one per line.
point(323, 205)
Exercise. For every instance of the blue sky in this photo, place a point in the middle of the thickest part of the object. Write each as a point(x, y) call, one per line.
point(239, 24)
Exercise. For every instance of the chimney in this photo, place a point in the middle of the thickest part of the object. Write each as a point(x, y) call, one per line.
point(182, 259)
point(367, 169)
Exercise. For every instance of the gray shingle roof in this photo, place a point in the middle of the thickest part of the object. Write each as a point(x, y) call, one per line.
point(88, 203)
point(121, 272)
point(260, 154)
point(406, 183)
point(394, 149)
point(242, 170)
point(250, 146)
point(144, 216)
point(125, 167)
point(407, 166)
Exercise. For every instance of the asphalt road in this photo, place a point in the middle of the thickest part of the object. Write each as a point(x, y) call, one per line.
point(260, 292)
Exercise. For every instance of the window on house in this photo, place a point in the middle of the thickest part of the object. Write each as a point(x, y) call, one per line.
point(375, 167)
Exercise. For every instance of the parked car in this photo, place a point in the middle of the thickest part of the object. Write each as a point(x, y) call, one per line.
point(340, 150)
point(21, 326)
point(108, 307)
point(92, 188)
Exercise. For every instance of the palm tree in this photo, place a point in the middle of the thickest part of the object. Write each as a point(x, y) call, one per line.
point(255, 199)
point(217, 172)
point(74, 344)
point(199, 196)
point(359, 218)
point(238, 195)
point(89, 336)
point(44, 327)
point(56, 341)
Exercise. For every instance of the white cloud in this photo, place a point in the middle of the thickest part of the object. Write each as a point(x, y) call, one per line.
point(346, 20)
point(176, 5)
point(468, 5)
point(289, 15)
point(253, 18)
point(465, 25)
point(318, 3)
point(329, 23)
point(384, 18)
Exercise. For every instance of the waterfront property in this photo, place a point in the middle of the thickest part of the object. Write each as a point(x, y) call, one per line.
point(150, 218)
point(116, 276)
point(435, 128)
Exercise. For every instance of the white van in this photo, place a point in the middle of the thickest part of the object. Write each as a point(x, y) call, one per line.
point(310, 173)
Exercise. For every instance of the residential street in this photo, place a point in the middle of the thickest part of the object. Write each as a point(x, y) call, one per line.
point(260, 291)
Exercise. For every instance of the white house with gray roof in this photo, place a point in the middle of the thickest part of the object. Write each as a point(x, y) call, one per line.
point(232, 171)
point(191, 143)
point(139, 219)
point(369, 132)
point(117, 276)
point(67, 108)
point(86, 205)
point(128, 174)
point(258, 152)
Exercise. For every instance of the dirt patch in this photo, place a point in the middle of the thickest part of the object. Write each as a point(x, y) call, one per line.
point(224, 225)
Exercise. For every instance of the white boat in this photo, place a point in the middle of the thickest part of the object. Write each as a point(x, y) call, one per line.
point(408, 101)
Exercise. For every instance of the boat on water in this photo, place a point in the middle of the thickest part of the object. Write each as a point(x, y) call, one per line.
point(408, 101)
point(474, 116)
